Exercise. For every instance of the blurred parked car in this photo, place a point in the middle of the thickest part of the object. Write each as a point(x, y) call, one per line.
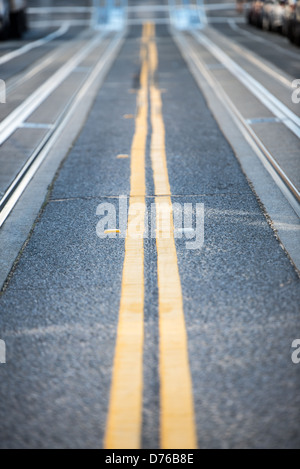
point(273, 14)
point(296, 24)
point(291, 24)
point(12, 18)
point(288, 16)
point(254, 13)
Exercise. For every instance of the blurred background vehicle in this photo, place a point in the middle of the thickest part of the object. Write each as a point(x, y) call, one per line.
point(272, 15)
point(254, 13)
point(289, 12)
point(240, 6)
point(13, 21)
point(291, 21)
point(282, 16)
point(295, 25)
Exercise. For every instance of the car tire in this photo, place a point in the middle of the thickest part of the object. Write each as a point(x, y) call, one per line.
point(18, 23)
point(291, 33)
point(259, 22)
point(296, 33)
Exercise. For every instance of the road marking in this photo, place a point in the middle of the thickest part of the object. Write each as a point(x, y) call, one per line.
point(270, 101)
point(33, 45)
point(259, 63)
point(56, 23)
point(50, 58)
point(125, 407)
point(262, 120)
point(35, 125)
point(113, 231)
point(220, 6)
point(147, 8)
point(177, 407)
point(59, 10)
point(223, 19)
point(139, 21)
point(196, 65)
point(16, 189)
point(29, 105)
point(257, 37)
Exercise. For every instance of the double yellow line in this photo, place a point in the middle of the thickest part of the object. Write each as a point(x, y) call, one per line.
point(176, 397)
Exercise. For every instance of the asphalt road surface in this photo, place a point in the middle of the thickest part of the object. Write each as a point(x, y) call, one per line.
point(121, 341)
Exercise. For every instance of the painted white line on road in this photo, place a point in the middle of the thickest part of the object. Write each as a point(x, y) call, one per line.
point(258, 61)
point(41, 64)
point(219, 6)
point(223, 19)
point(56, 23)
point(281, 179)
point(22, 112)
point(258, 38)
point(281, 111)
point(12, 195)
point(35, 125)
point(33, 45)
point(139, 21)
point(47, 10)
point(147, 8)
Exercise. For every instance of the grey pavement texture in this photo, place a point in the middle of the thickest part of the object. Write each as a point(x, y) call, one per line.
point(59, 312)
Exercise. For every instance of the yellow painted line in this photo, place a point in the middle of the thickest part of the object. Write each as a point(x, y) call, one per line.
point(128, 116)
point(111, 231)
point(123, 430)
point(178, 430)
